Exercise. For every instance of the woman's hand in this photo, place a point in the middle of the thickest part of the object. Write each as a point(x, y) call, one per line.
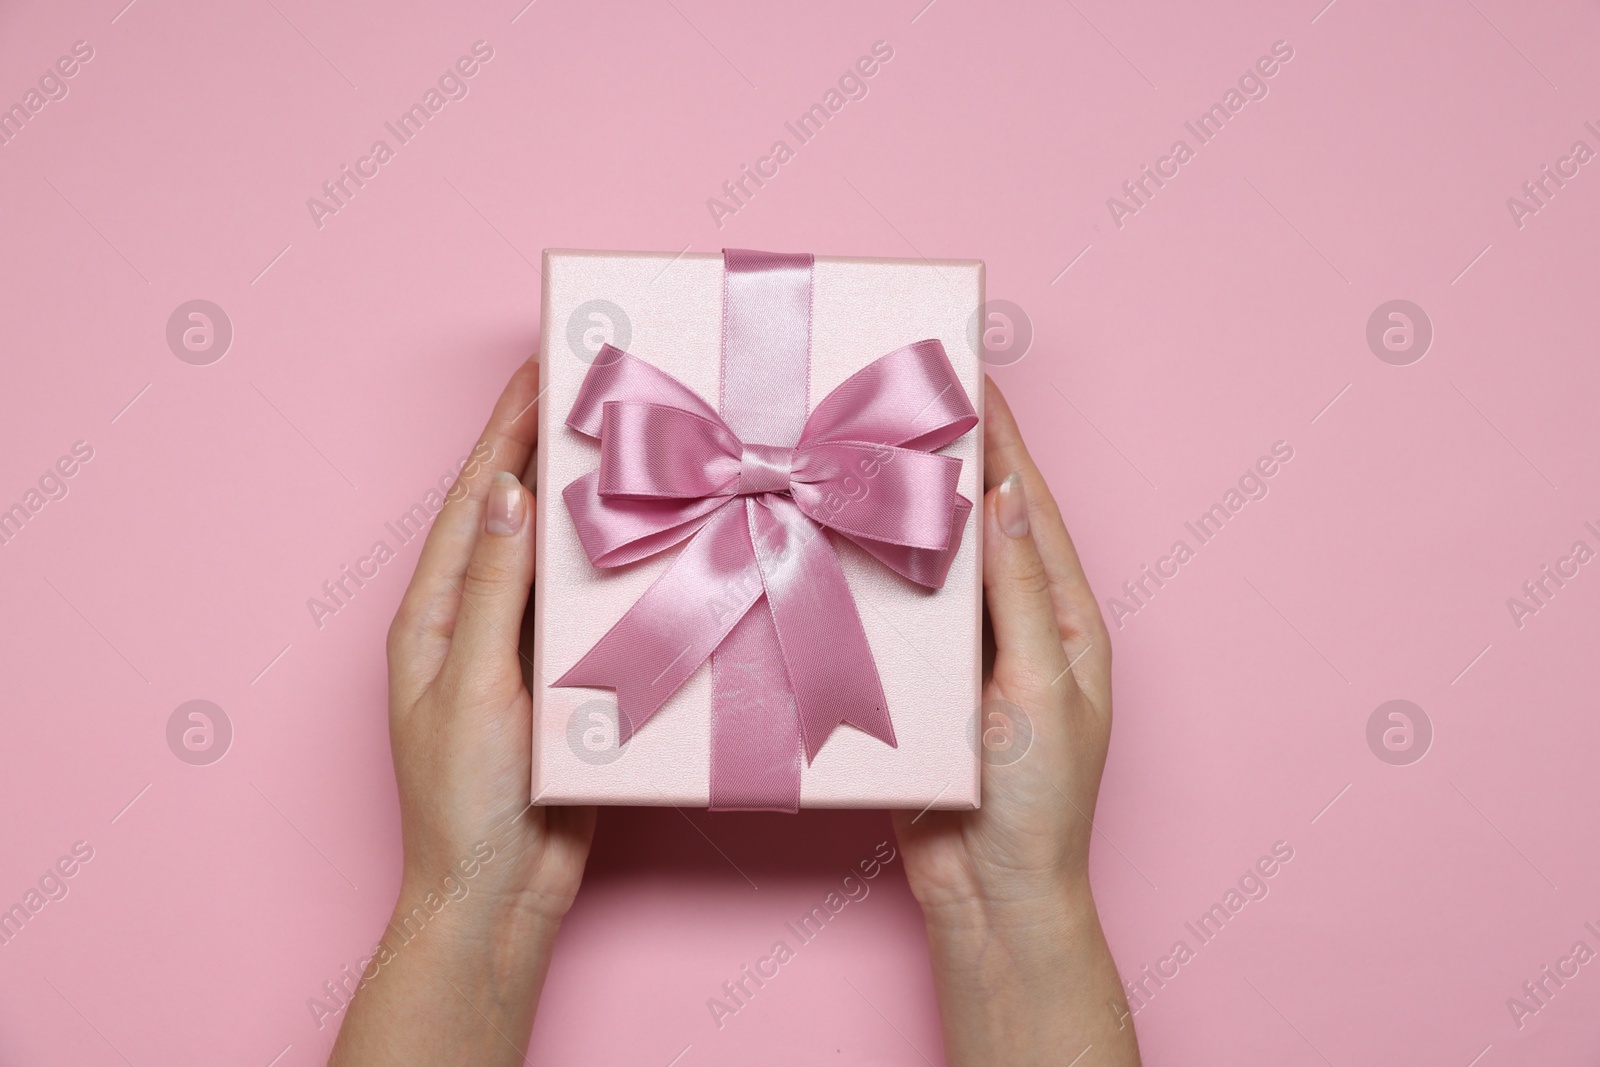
point(487, 876)
point(1021, 965)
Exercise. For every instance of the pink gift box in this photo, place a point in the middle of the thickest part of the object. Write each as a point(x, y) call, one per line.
point(667, 310)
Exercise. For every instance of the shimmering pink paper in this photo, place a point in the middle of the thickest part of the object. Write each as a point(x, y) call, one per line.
point(927, 645)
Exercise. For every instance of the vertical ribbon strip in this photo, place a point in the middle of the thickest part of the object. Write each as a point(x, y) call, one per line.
point(766, 373)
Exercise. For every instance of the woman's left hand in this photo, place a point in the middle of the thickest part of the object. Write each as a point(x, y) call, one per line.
point(487, 875)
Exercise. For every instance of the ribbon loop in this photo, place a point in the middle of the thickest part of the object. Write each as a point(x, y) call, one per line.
point(653, 451)
point(879, 493)
point(910, 398)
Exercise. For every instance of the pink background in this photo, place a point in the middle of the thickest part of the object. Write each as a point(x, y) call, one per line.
point(1227, 314)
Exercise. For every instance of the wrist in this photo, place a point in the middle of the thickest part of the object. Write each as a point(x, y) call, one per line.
point(1011, 906)
point(472, 928)
point(443, 967)
point(1017, 929)
point(1022, 977)
point(486, 891)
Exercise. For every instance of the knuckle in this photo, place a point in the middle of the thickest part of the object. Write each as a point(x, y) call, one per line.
point(405, 632)
point(1028, 575)
point(1082, 621)
point(472, 482)
point(485, 576)
point(418, 622)
point(1012, 455)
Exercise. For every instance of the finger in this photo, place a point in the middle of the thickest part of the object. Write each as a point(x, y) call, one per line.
point(420, 636)
point(484, 661)
point(1029, 657)
point(1076, 610)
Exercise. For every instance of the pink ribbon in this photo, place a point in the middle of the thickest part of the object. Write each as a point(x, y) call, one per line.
point(672, 470)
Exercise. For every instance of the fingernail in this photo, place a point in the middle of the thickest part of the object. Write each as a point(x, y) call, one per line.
point(506, 509)
point(1012, 508)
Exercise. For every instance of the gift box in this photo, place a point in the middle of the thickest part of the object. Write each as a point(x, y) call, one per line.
point(758, 579)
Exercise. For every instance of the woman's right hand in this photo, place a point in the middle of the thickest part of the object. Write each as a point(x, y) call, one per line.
point(1020, 963)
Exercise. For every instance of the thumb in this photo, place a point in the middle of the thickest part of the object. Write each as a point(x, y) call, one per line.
point(1017, 589)
point(484, 657)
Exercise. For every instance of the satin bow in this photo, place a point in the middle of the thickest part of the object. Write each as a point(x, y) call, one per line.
point(671, 469)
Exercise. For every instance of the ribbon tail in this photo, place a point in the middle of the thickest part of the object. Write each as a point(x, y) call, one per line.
point(831, 669)
point(669, 631)
point(755, 729)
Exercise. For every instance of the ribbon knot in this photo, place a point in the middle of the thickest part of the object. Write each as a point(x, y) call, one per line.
point(671, 470)
point(765, 469)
